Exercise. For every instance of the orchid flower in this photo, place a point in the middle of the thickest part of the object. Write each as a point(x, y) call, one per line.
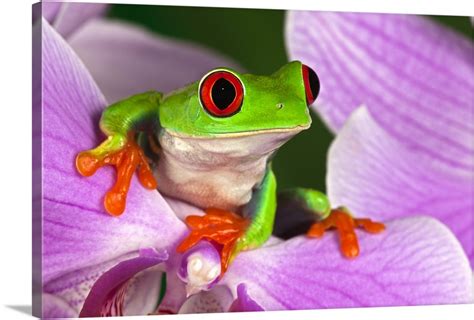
point(399, 92)
point(95, 265)
point(67, 17)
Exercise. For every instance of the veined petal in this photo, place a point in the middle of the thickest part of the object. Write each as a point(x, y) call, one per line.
point(415, 76)
point(373, 174)
point(125, 59)
point(416, 261)
point(110, 290)
point(74, 286)
point(71, 16)
point(55, 307)
point(77, 232)
point(130, 284)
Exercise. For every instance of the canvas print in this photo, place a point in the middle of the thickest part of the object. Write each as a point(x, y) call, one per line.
point(197, 160)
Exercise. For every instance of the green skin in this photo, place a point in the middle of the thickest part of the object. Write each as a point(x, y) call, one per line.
point(181, 113)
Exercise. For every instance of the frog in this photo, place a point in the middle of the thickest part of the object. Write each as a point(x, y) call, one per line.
point(212, 143)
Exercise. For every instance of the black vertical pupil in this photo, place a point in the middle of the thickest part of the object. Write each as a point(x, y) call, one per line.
point(313, 82)
point(223, 93)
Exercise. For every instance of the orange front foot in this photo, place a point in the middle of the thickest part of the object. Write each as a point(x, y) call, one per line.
point(222, 227)
point(126, 160)
point(345, 224)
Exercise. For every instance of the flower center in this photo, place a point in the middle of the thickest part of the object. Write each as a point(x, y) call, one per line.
point(113, 307)
point(200, 268)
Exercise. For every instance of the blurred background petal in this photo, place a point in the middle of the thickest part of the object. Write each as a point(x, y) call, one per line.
point(49, 10)
point(125, 59)
point(67, 17)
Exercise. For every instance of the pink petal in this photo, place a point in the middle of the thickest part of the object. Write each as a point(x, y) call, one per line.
point(244, 303)
point(49, 11)
point(125, 59)
point(416, 77)
point(77, 232)
point(55, 307)
point(71, 16)
point(89, 288)
point(107, 285)
point(373, 174)
point(416, 261)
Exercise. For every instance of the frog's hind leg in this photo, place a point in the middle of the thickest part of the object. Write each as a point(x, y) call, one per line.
point(317, 205)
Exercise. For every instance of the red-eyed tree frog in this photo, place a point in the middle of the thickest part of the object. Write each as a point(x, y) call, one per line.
point(214, 141)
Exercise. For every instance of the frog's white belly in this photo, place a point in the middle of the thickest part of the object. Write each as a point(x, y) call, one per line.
point(215, 172)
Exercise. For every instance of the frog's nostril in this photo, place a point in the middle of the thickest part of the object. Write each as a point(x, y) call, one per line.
point(280, 105)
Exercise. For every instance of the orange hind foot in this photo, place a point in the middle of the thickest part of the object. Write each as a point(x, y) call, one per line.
point(345, 225)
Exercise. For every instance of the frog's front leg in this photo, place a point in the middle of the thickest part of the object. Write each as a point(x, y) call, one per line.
point(340, 218)
point(120, 122)
point(234, 232)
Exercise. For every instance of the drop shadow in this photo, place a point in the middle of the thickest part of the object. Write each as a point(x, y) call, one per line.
point(25, 309)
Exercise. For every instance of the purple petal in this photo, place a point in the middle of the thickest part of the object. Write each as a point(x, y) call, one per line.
point(77, 231)
point(416, 261)
point(55, 307)
point(218, 299)
point(125, 59)
point(114, 279)
point(373, 174)
point(175, 294)
point(49, 11)
point(144, 292)
point(74, 286)
point(244, 302)
point(134, 277)
point(71, 16)
point(183, 209)
point(416, 77)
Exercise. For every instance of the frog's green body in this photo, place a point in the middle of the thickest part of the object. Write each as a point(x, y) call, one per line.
point(223, 161)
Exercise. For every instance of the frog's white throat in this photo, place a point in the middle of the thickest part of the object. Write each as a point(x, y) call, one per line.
point(216, 172)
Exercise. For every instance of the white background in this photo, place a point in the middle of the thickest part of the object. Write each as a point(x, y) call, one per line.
point(15, 154)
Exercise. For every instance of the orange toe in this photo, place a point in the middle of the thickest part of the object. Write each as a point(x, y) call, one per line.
point(87, 164)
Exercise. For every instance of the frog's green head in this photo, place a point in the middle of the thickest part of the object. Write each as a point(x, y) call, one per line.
point(226, 103)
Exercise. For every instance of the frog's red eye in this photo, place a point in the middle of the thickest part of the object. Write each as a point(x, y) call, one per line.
point(221, 94)
point(311, 84)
